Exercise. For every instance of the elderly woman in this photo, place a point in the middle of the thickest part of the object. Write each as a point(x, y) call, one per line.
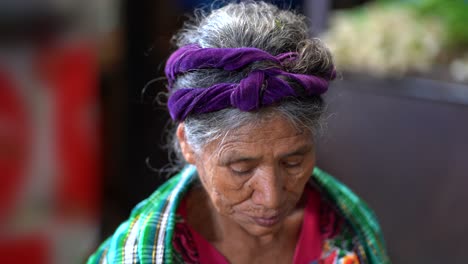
point(245, 94)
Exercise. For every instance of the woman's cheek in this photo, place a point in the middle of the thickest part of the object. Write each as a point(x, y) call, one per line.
point(221, 203)
point(296, 183)
point(225, 197)
point(233, 188)
point(293, 181)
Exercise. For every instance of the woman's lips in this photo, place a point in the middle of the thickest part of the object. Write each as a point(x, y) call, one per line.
point(267, 221)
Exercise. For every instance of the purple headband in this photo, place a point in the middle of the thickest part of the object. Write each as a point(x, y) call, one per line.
point(260, 88)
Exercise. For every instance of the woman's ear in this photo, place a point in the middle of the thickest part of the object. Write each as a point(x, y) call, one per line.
point(185, 147)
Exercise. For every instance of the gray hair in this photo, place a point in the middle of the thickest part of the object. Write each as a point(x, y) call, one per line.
point(250, 24)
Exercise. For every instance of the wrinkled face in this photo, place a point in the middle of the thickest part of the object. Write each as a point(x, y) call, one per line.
point(256, 175)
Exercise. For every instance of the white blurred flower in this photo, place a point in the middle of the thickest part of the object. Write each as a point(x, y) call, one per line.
point(384, 41)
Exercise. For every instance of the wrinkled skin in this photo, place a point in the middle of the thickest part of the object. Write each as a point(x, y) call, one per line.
point(253, 180)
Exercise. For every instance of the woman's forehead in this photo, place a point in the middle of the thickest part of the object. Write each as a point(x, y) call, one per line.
point(278, 135)
point(246, 153)
point(276, 127)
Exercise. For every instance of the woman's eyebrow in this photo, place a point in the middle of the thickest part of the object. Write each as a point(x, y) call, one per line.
point(299, 151)
point(234, 157)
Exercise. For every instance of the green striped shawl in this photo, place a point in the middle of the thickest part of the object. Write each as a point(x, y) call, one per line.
point(146, 237)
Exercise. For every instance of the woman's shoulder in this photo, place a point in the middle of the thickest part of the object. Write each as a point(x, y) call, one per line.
point(124, 244)
point(350, 227)
point(143, 237)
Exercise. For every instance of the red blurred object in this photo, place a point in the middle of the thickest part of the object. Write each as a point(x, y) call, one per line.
point(72, 75)
point(32, 249)
point(49, 153)
point(14, 143)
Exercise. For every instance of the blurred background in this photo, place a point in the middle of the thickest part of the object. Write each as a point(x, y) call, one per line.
point(80, 140)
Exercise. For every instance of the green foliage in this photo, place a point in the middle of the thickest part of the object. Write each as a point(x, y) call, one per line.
point(453, 14)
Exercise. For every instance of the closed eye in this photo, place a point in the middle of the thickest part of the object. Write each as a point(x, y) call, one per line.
point(293, 161)
point(292, 164)
point(242, 168)
point(241, 173)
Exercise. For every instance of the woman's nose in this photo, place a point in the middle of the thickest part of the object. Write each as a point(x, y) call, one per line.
point(268, 188)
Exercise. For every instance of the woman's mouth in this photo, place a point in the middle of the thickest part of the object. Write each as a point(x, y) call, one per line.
point(267, 221)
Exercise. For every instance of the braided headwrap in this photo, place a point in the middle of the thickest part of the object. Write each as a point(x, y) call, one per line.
point(262, 87)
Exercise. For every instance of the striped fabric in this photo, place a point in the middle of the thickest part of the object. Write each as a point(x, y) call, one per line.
point(147, 236)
